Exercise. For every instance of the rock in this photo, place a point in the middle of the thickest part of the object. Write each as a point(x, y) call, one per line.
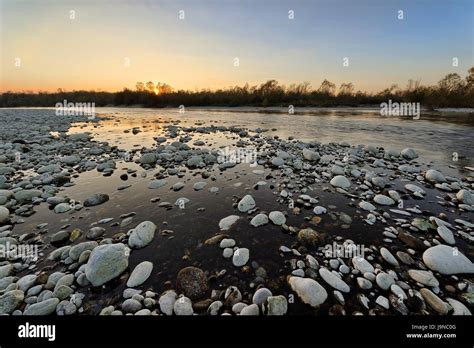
point(383, 200)
point(387, 256)
point(411, 240)
point(10, 301)
point(414, 189)
point(45, 307)
point(435, 302)
point(142, 235)
point(6, 270)
point(96, 199)
point(140, 274)
point(434, 176)
point(228, 253)
point(27, 195)
point(422, 224)
point(308, 290)
point(166, 302)
point(277, 161)
point(214, 307)
point(362, 265)
point(66, 308)
point(366, 206)
point(423, 277)
point(246, 204)
point(199, 185)
point(59, 237)
point(318, 210)
point(240, 257)
point(259, 220)
point(4, 215)
point(340, 181)
point(76, 251)
point(447, 260)
point(79, 137)
point(194, 161)
point(364, 283)
point(148, 158)
point(106, 262)
point(70, 160)
point(192, 282)
point(154, 184)
point(458, 307)
point(310, 155)
point(278, 218)
point(261, 295)
point(227, 243)
point(62, 292)
point(384, 280)
point(409, 153)
point(277, 305)
point(309, 237)
point(95, 233)
point(446, 235)
point(178, 186)
point(333, 280)
point(466, 197)
point(26, 282)
point(62, 208)
point(131, 305)
point(183, 306)
point(383, 302)
point(405, 258)
point(227, 222)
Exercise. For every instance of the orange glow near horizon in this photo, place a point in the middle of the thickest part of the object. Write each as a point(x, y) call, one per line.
point(91, 51)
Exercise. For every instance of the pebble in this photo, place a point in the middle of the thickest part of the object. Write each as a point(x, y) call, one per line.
point(192, 282)
point(278, 218)
point(227, 222)
point(277, 305)
point(261, 295)
point(240, 257)
point(106, 262)
point(308, 290)
point(340, 181)
point(447, 260)
point(246, 203)
point(142, 235)
point(435, 302)
point(140, 274)
point(333, 280)
point(259, 220)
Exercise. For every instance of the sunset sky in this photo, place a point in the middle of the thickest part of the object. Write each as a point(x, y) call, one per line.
point(90, 51)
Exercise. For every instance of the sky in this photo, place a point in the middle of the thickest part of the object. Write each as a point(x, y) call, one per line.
point(109, 45)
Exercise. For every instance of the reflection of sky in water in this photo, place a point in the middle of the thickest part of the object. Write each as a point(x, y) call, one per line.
point(435, 138)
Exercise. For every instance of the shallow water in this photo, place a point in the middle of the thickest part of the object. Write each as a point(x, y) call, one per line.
point(190, 227)
point(435, 136)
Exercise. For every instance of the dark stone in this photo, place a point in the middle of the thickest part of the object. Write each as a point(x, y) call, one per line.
point(192, 282)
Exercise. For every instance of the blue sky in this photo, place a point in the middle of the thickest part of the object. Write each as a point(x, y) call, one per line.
point(198, 52)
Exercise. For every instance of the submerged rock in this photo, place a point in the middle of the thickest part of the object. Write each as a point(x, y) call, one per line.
point(96, 199)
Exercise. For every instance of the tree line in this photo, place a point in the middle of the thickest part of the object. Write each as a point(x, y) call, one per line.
point(451, 91)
